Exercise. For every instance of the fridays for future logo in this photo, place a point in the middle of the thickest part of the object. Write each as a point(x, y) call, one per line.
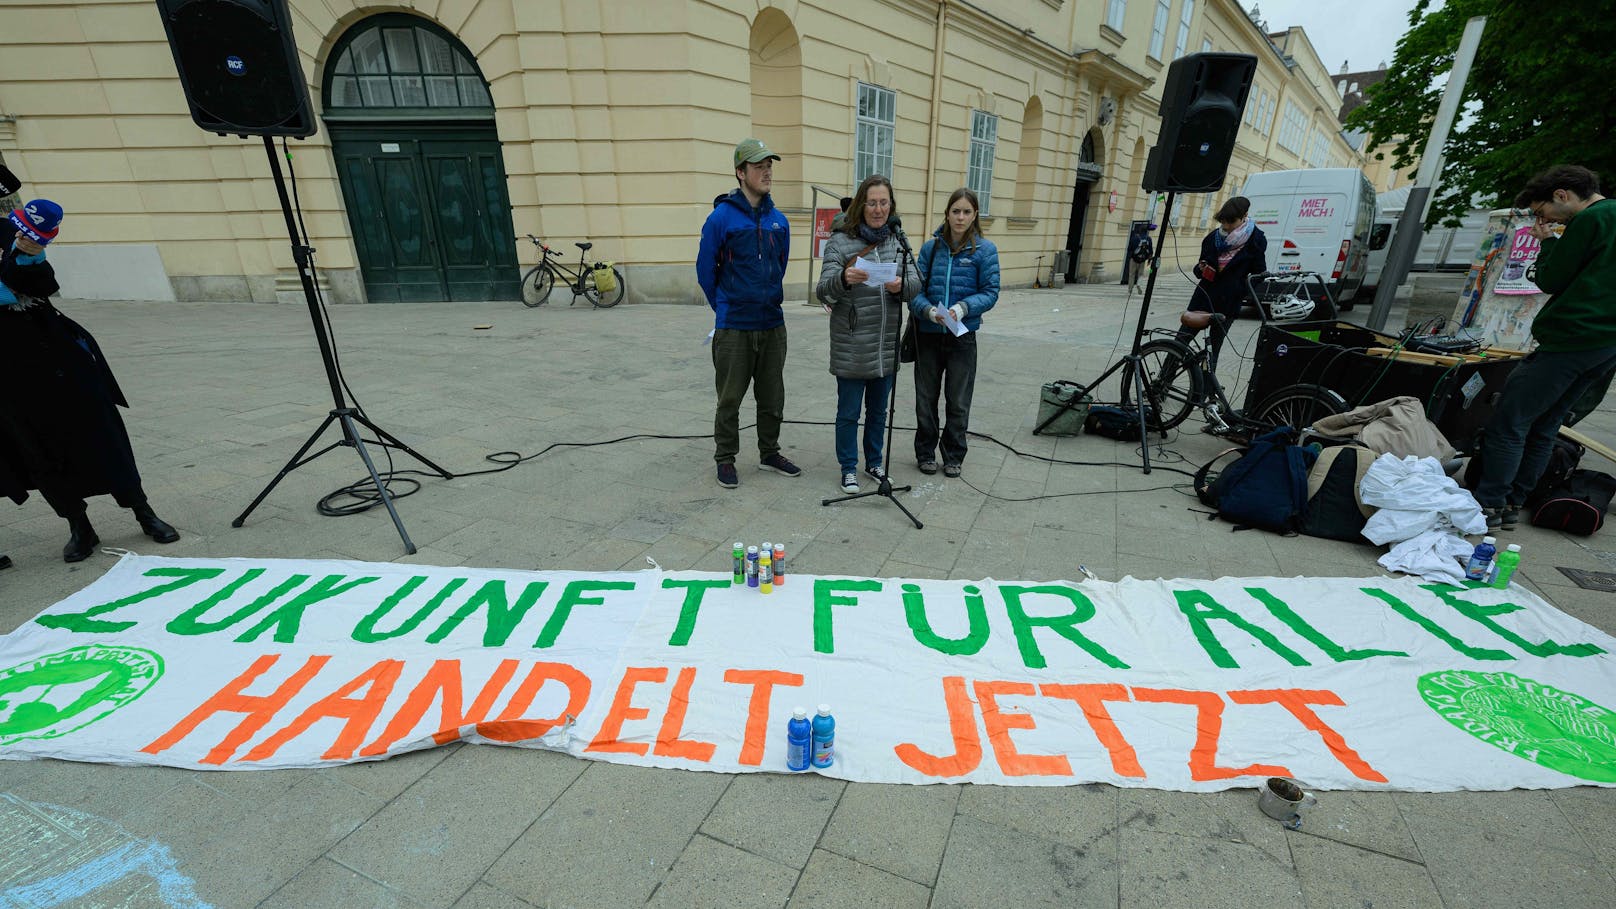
point(63, 692)
point(1557, 729)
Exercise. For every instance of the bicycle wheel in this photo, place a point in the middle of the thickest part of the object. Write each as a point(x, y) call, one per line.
point(593, 295)
point(1173, 383)
point(1297, 406)
point(536, 285)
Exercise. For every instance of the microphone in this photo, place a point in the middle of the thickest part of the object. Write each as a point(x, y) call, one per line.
point(896, 223)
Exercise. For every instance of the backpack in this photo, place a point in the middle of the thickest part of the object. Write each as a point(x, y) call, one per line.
point(1266, 488)
point(1333, 510)
point(1563, 459)
point(1112, 422)
point(1578, 504)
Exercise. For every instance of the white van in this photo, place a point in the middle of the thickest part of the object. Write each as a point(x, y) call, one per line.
point(1380, 241)
point(1319, 220)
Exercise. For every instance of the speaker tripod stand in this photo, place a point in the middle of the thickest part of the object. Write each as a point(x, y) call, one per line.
point(348, 418)
point(1132, 358)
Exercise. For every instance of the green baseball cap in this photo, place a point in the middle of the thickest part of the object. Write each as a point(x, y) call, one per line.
point(753, 151)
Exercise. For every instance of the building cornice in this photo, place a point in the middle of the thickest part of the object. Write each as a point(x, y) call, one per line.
point(1098, 63)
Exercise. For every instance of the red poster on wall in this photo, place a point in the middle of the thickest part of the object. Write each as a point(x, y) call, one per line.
point(822, 219)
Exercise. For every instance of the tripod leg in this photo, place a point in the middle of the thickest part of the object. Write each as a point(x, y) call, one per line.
point(906, 512)
point(392, 441)
point(352, 433)
point(1139, 397)
point(290, 466)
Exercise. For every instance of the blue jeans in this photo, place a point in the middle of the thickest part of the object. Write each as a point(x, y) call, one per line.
point(872, 395)
point(1521, 433)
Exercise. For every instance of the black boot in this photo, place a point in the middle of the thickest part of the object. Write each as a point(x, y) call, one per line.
point(154, 526)
point(81, 544)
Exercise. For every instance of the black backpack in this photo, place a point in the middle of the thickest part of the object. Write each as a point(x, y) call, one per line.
point(1112, 422)
point(1563, 459)
point(1332, 510)
point(1266, 488)
point(1578, 504)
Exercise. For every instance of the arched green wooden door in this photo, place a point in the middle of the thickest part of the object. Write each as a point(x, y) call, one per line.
point(412, 131)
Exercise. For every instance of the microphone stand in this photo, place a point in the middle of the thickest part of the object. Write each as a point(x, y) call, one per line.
point(885, 487)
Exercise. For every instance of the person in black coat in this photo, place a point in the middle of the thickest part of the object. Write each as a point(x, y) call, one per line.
point(1230, 253)
point(60, 431)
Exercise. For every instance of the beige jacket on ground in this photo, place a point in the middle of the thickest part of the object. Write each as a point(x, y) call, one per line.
point(1397, 426)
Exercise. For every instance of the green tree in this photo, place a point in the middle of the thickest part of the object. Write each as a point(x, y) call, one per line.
point(1540, 93)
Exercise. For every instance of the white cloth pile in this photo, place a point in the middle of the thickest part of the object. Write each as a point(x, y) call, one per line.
point(1424, 512)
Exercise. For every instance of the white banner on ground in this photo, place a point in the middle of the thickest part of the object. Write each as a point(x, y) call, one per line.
point(1342, 683)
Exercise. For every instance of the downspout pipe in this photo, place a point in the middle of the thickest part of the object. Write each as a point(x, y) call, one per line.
point(936, 108)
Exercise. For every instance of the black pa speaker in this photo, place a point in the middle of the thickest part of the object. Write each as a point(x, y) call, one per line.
point(239, 66)
point(1201, 106)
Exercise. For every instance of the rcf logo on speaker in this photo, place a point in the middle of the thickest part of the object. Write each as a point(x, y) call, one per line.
point(235, 65)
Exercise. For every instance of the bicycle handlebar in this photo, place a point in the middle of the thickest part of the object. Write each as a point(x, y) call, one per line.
point(540, 244)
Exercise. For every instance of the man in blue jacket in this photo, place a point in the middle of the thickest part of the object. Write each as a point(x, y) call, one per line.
point(741, 266)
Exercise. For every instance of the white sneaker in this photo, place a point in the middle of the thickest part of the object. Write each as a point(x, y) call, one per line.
point(850, 482)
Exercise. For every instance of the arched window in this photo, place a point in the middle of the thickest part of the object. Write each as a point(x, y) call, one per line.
point(396, 64)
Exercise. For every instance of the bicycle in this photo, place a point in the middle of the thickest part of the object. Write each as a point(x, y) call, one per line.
point(1179, 376)
point(541, 278)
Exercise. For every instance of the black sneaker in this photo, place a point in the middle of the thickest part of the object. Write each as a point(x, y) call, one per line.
point(927, 466)
point(875, 471)
point(1495, 518)
point(777, 462)
point(1509, 517)
point(727, 477)
point(850, 482)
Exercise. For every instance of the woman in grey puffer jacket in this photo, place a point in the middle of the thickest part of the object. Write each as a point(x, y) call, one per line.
point(865, 322)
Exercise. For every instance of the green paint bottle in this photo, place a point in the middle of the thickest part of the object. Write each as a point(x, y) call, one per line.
point(1507, 562)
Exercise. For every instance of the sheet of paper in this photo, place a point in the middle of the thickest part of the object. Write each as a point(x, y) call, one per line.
point(879, 272)
point(952, 324)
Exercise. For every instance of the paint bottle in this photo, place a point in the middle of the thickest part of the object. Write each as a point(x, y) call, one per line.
point(738, 556)
point(1481, 560)
point(751, 566)
point(779, 563)
point(799, 740)
point(824, 737)
point(1508, 561)
point(766, 571)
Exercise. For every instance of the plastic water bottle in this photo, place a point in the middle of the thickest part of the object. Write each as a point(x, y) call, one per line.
point(738, 554)
point(1481, 560)
point(799, 740)
point(751, 566)
point(824, 737)
point(1508, 561)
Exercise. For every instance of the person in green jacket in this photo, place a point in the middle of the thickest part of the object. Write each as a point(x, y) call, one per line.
point(1575, 333)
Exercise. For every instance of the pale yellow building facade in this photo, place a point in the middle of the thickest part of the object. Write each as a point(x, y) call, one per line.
point(479, 121)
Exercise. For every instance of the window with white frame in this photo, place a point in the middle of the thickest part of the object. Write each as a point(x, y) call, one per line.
point(1266, 123)
point(1158, 28)
point(979, 170)
point(1318, 151)
point(1185, 13)
point(877, 121)
point(1253, 105)
point(1116, 11)
point(1293, 131)
point(1206, 45)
